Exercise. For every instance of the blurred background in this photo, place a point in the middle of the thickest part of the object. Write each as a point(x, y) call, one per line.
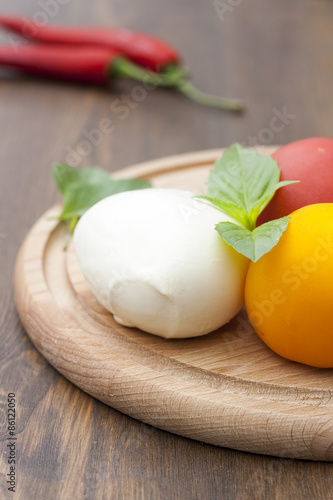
point(275, 55)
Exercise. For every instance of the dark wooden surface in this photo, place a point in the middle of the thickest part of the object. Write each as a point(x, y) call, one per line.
point(277, 56)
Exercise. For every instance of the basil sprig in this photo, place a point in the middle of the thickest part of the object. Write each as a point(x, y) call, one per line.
point(82, 188)
point(241, 185)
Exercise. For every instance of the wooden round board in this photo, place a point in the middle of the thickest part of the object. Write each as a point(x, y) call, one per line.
point(226, 388)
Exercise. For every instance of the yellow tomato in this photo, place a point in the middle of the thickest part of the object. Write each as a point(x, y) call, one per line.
point(289, 291)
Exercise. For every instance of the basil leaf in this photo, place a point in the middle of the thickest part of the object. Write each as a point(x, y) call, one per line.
point(64, 176)
point(244, 179)
point(241, 185)
point(229, 208)
point(82, 188)
point(253, 244)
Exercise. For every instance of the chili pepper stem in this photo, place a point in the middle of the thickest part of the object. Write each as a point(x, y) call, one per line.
point(200, 97)
point(123, 68)
point(178, 72)
point(181, 74)
point(175, 77)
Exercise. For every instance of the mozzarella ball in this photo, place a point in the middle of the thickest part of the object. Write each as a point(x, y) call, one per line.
point(153, 258)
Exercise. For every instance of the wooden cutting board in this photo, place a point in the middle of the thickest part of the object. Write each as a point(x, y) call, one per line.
point(226, 388)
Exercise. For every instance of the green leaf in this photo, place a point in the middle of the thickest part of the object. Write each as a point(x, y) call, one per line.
point(82, 188)
point(253, 244)
point(229, 208)
point(263, 202)
point(242, 183)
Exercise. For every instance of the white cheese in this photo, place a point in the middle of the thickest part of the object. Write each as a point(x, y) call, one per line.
point(153, 258)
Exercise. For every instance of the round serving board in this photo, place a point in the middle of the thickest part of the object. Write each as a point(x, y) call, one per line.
point(226, 388)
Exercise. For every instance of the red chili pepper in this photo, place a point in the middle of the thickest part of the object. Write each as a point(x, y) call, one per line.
point(81, 65)
point(96, 65)
point(143, 49)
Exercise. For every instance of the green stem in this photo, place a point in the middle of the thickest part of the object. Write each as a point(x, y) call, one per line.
point(72, 223)
point(175, 77)
point(175, 71)
point(123, 68)
point(209, 100)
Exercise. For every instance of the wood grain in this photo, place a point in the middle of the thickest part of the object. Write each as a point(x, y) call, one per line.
point(273, 54)
point(226, 388)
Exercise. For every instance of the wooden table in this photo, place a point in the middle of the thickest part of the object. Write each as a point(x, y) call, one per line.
point(278, 56)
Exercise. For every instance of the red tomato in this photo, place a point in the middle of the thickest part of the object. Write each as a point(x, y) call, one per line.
point(311, 162)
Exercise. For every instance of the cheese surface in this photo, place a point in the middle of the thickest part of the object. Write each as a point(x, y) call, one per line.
point(153, 258)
